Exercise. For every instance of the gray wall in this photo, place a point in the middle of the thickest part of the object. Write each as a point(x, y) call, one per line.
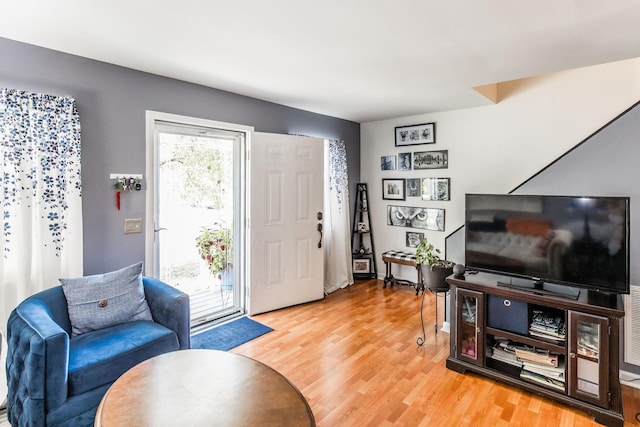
point(112, 101)
point(605, 164)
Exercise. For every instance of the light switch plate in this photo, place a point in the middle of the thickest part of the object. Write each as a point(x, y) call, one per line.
point(133, 225)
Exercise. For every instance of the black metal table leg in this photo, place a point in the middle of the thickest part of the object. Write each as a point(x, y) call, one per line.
point(387, 277)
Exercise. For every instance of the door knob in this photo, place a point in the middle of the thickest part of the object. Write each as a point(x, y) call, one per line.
point(319, 228)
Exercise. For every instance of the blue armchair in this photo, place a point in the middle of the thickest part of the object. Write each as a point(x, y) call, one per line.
point(55, 380)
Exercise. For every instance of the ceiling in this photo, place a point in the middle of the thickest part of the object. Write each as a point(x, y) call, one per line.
point(361, 60)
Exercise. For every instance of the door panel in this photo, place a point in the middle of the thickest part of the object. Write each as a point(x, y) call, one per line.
point(286, 196)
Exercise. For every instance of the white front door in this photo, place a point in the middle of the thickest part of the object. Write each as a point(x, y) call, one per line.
point(287, 260)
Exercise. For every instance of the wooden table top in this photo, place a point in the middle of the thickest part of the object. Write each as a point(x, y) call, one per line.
point(203, 388)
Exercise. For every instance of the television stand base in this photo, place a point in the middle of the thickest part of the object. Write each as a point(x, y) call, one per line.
point(541, 288)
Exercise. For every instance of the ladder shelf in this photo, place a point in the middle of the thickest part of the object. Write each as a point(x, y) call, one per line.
point(363, 249)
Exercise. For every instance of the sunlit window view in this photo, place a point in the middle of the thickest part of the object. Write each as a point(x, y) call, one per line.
point(195, 219)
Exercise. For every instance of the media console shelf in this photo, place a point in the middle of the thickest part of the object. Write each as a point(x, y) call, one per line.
point(564, 349)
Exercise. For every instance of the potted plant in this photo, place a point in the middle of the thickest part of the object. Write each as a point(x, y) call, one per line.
point(434, 269)
point(215, 248)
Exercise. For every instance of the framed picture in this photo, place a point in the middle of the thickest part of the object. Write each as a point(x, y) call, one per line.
point(414, 187)
point(416, 134)
point(431, 159)
point(414, 239)
point(362, 203)
point(404, 161)
point(361, 265)
point(435, 188)
point(415, 217)
point(388, 163)
point(393, 189)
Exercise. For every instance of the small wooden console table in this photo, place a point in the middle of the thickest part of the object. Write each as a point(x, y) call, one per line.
point(203, 388)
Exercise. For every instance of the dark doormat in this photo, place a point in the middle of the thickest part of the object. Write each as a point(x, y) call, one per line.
point(229, 335)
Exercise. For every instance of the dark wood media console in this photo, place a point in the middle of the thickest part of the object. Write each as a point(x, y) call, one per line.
point(564, 349)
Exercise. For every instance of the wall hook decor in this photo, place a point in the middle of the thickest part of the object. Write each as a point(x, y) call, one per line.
point(125, 182)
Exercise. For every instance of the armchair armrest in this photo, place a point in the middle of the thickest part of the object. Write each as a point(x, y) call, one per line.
point(39, 346)
point(169, 307)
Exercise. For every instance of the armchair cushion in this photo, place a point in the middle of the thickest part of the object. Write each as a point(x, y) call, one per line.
point(103, 300)
point(100, 357)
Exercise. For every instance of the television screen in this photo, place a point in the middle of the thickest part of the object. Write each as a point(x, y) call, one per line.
point(575, 241)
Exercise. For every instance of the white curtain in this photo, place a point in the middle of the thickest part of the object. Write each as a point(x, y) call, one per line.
point(337, 235)
point(42, 208)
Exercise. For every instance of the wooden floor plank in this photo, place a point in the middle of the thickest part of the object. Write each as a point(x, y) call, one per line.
point(354, 356)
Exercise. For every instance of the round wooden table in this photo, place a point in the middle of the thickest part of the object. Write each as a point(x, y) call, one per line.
point(203, 388)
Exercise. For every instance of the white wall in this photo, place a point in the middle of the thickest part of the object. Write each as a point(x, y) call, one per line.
point(497, 147)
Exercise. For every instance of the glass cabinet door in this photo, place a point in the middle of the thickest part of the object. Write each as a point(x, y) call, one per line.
point(469, 315)
point(589, 358)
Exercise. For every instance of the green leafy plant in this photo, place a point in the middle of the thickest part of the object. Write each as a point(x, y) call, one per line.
point(427, 254)
point(214, 246)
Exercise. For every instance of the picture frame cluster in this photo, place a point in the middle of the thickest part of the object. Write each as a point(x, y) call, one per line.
point(425, 188)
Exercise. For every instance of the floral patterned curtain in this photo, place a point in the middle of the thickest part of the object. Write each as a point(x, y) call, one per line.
point(338, 269)
point(41, 186)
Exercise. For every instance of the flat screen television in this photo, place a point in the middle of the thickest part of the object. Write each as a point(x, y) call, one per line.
point(567, 242)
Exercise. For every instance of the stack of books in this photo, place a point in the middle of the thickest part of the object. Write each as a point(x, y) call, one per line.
point(536, 365)
point(541, 367)
point(588, 340)
point(546, 375)
point(545, 325)
point(536, 355)
point(505, 351)
point(587, 346)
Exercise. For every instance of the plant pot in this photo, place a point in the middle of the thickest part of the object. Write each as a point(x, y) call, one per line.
point(434, 277)
point(226, 279)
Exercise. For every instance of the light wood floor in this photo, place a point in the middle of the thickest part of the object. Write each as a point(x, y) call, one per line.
point(354, 357)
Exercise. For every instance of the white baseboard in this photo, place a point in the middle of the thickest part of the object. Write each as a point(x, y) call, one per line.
point(445, 327)
point(630, 379)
